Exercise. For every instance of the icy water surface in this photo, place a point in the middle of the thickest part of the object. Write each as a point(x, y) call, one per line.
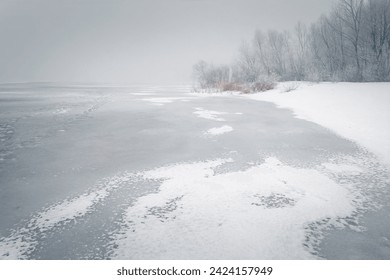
point(155, 172)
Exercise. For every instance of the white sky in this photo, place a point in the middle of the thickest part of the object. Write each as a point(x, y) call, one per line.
point(129, 41)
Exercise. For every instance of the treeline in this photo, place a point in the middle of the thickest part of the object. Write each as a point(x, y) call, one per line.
point(352, 43)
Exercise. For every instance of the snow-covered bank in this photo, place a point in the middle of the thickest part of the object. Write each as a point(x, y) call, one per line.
point(356, 111)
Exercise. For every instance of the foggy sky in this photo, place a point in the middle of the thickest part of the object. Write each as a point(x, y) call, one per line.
point(129, 41)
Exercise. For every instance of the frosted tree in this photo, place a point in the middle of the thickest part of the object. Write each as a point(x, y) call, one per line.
point(248, 64)
point(350, 13)
point(261, 49)
point(377, 34)
point(302, 52)
point(352, 43)
point(210, 76)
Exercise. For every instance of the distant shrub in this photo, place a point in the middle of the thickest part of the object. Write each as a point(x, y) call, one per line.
point(246, 90)
point(248, 87)
point(263, 86)
point(231, 87)
point(290, 87)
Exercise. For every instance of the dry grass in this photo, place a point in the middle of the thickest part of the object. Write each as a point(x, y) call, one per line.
point(263, 86)
point(230, 87)
point(242, 88)
point(290, 87)
point(248, 88)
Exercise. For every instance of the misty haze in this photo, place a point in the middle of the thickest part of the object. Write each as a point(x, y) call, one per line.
point(195, 129)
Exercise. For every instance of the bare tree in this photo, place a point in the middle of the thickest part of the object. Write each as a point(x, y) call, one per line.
point(352, 43)
point(350, 13)
point(278, 44)
point(377, 15)
point(210, 76)
point(261, 47)
point(248, 64)
point(302, 54)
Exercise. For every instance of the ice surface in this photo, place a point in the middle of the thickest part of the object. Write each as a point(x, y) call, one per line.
point(68, 157)
point(24, 240)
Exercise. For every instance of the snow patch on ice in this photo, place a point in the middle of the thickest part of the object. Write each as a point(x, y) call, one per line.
point(142, 93)
point(160, 99)
point(208, 93)
point(258, 213)
point(219, 130)
point(165, 100)
point(210, 115)
point(61, 111)
point(68, 210)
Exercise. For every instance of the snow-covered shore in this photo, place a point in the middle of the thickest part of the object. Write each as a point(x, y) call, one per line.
point(357, 111)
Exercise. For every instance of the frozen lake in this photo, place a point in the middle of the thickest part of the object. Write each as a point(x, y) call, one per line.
point(149, 172)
